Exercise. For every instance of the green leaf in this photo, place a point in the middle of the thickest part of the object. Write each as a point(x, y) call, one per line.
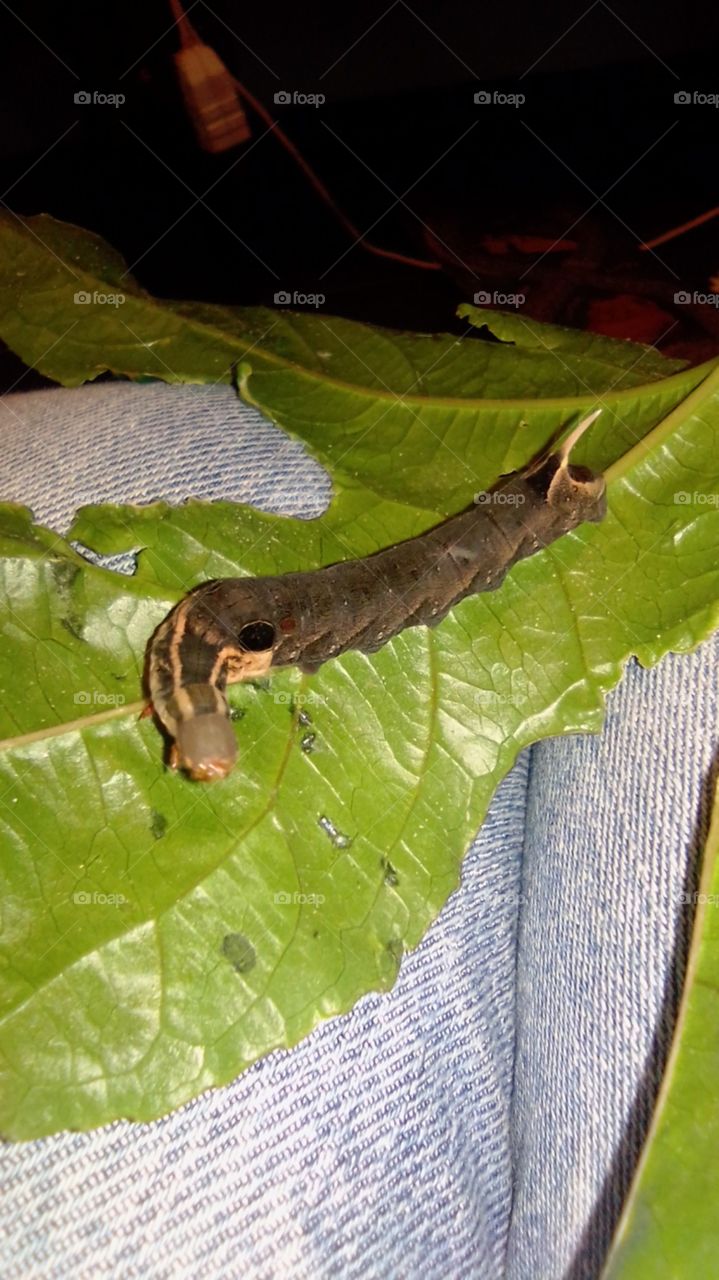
point(557, 342)
point(669, 1225)
point(160, 935)
point(346, 368)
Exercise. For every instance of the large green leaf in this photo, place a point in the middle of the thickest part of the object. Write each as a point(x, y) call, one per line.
point(159, 935)
point(669, 1227)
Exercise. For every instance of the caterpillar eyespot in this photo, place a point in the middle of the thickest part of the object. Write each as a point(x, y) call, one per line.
point(257, 636)
point(241, 628)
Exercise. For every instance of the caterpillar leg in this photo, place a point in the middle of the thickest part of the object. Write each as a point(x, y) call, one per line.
point(309, 668)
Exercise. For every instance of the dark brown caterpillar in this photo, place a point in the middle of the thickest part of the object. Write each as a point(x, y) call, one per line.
point(239, 628)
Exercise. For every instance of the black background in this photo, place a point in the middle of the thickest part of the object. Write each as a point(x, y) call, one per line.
point(399, 82)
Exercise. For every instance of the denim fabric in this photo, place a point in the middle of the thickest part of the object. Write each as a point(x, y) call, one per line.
point(615, 829)
point(483, 1118)
point(119, 442)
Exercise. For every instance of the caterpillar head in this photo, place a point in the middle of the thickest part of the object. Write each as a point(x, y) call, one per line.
point(205, 747)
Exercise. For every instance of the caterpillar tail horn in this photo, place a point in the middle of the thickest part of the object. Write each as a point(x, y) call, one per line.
point(567, 445)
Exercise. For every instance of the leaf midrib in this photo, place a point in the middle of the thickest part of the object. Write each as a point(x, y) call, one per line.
point(669, 425)
point(450, 402)
point(165, 308)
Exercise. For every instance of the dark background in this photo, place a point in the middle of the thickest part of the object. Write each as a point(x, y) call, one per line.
point(484, 184)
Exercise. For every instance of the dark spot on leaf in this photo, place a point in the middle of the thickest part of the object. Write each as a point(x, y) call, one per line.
point(72, 628)
point(158, 824)
point(64, 576)
point(237, 713)
point(390, 875)
point(307, 743)
point(304, 718)
point(395, 948)
point(239, 951)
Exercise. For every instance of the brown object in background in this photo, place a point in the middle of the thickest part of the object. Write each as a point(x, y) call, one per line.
point(572, 269)
point(211, 98)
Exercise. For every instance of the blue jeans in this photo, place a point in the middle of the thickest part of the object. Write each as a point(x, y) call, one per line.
point(485, 1116)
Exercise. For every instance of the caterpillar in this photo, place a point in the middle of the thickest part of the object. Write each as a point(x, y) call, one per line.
point(233, 629)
